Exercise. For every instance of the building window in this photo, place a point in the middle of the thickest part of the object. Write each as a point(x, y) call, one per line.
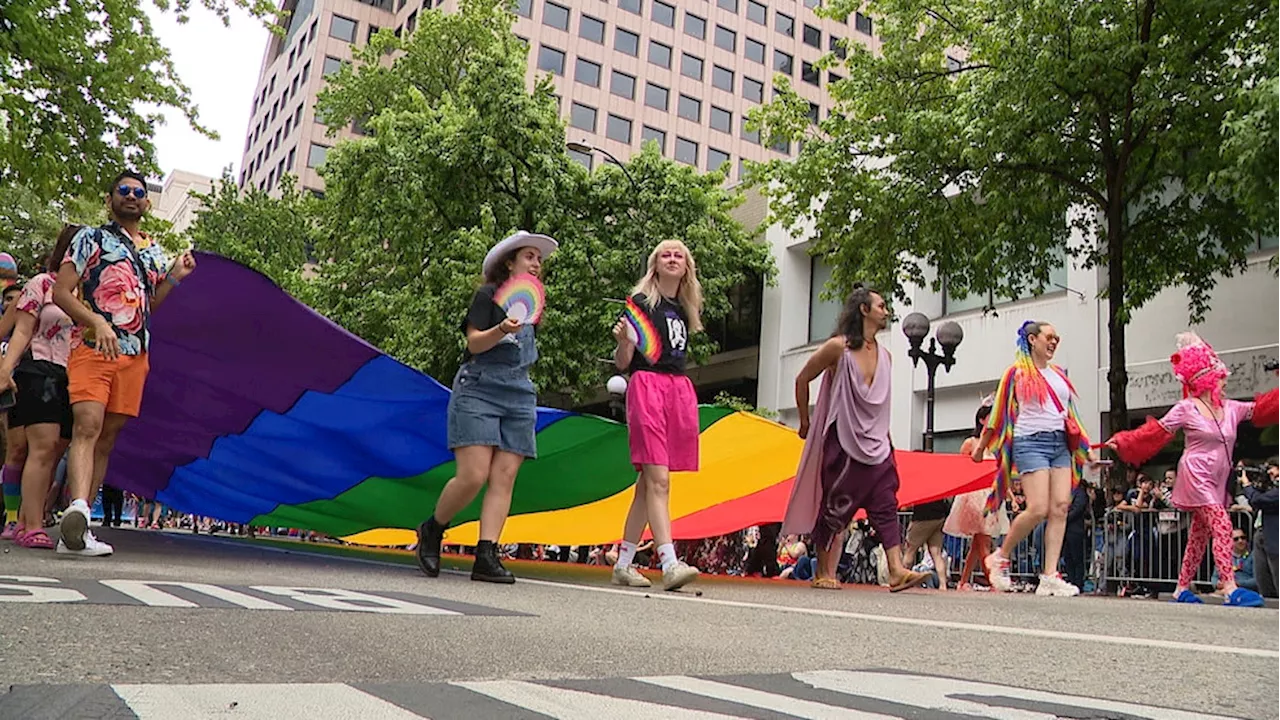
point(343, 28)
point(291, 59)
point(331, 65)
point(691, 66)
point(783, 62)
point(524, 8)
point(695, 26)
point(315, 158)
point(822, 313)
point(556, 16)
point(584, 158)
point(751, 136)
point(833, 78)
point(809, 73)
point(293, 155)
point(689, 108)
point(754, 50)
point(623, 85)
point(656, 96)
point(373, 30)
point(722, 78)
point(862, 23)
point(813, 4)
point(583, 117)
point(721, 120)
point(647, 133)
point(663, 14)
point(837, 46)
point(587, 72)
point(730, 5)
point(591, 29)
point(752, 89)
point(952, 303)
point(952, 64)
point(813, 113)
point(726, 39)
point(618, 128)
point(784, 24)
point(812, 36)
point(625, 41)
point(781, 145)
point(686, 151)
point(311, 33)
point(756, 12)
point(551, 60)
point(717, 158)
point(632, 6)
point(660, 54)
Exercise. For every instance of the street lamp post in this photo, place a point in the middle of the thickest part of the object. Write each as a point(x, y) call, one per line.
point(589, 149)
point(617, 387)
point(916, 327)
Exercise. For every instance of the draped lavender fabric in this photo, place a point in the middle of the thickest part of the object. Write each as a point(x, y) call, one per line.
point(860, 411)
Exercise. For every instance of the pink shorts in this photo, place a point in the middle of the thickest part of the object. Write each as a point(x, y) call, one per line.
point(662, 419)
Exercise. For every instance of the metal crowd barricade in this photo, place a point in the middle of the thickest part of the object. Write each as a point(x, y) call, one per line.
point(1129, 550)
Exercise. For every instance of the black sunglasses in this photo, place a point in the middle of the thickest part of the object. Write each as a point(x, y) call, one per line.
point(138, 192)
point(1238, 537)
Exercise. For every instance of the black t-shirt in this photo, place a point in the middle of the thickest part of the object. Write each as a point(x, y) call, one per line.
point(672, 325)
point(483, 314)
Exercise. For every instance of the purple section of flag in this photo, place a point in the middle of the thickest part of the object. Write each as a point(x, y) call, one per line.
point(226, 345)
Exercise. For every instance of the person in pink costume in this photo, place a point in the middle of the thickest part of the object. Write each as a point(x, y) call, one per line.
point(1209, 422)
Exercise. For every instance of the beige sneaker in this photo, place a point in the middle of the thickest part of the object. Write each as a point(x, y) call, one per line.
point(629, 577)
point(678, 575)
point(1054, 586)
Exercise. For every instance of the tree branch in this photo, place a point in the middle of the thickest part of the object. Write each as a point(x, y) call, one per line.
point(1053, 172)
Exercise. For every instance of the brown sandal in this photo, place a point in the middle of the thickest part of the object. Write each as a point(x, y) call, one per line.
point(910, 580)
point(825, 584)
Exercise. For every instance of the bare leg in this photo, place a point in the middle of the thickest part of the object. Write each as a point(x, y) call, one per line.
point(1035, 487)
point(112, 423)
point(1056, 528)
point(496, 505)
point(473, 471)
point(940, 564)
point(658, 502)
point(638, 514)
point(37, 473)
point(829, 559)
point(88, 426)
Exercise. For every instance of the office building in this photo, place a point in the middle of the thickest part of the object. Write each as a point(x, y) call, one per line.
point(681, 72)
point(176, 202)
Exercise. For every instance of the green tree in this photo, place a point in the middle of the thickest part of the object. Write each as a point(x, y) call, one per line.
point(458, 154)
point(82, 88)
point(29, 225)
point(986, 131)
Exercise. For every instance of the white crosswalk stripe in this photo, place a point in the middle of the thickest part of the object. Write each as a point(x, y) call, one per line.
point(257, 702)
point(566, 704)
point(764, 700)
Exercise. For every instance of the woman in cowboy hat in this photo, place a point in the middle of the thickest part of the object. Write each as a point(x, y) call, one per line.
point(492, 411)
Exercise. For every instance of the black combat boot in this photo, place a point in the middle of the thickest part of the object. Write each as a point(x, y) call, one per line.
point(488, 568)
point(430, 535)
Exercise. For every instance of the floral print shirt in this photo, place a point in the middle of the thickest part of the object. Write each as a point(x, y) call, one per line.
point(51, 339)
point(117, 283)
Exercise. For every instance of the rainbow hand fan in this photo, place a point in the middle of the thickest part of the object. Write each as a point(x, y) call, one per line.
point(642, 332)
point(523, 298)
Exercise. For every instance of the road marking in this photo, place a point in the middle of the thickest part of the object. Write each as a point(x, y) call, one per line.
point(759, 699)
point(567, 704)
point(923, 622)
point(347, 599)
point(36, 594)
point(257, 702)
point(146, 592)
point(965, 697)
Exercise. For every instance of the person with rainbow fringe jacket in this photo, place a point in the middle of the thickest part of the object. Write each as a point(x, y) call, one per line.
point(1028, 433)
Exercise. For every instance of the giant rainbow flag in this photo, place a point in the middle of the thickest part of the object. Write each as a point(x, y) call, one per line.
point(259, 410)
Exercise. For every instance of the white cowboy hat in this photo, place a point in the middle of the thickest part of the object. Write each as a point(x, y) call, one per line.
point(546, 245)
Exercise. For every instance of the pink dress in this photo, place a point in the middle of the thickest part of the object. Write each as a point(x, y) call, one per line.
point(1206, 459)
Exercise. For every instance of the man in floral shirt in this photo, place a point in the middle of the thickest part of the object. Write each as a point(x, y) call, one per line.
point(122, 276)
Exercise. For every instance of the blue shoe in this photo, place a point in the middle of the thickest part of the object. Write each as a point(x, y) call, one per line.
point(1188, 597)
point(1241, 597)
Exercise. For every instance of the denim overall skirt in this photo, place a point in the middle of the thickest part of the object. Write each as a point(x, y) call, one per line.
point(493, 401)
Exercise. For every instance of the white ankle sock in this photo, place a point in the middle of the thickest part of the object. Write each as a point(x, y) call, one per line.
point(626, 555)
point(667, 555)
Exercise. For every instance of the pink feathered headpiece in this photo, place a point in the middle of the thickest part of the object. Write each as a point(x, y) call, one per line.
point(1198, 367)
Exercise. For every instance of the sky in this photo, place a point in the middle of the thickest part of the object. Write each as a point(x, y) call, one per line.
point(219, 65)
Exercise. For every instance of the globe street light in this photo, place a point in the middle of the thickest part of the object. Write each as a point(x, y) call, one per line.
point(617, 387)
point(916, 327)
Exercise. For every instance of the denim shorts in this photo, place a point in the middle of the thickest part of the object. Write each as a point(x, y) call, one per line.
point(1041, 451)
point(495, 406)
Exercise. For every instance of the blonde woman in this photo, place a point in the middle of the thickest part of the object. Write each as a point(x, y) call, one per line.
point(662, 408)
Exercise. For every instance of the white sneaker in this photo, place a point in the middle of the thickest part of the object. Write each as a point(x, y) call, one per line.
point(998, 571)
point(629, 577)
point(93, 547)
point(74, 527)
point(678, 575)
point(1053, 585)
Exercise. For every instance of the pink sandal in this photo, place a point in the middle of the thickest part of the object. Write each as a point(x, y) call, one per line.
point(36, 540)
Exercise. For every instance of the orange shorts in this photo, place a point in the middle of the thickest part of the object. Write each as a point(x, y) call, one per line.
point(117, 384)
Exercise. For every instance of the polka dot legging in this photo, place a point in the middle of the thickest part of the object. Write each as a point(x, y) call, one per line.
point(1206, 520)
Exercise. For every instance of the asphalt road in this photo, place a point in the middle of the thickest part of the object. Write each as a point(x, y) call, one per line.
point(250, 636)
